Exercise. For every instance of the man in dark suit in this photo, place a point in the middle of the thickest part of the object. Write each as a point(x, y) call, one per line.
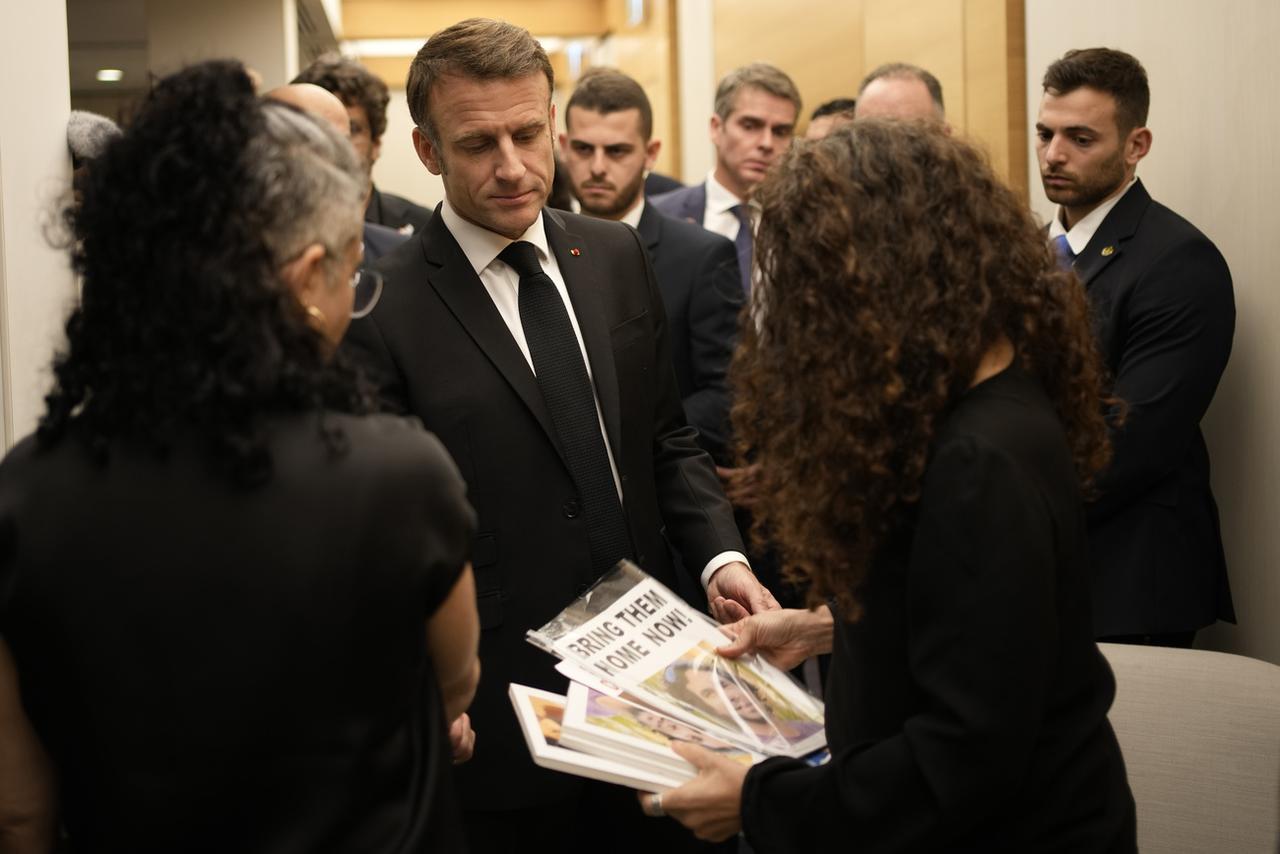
point(534, 344)
point(754, 121)
point(606, 152)
point(365, 98)
point(1165, 314)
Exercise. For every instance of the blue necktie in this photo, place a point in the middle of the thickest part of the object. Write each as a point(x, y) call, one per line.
point(743, 243)
point(1066, 258)
point(566, 388)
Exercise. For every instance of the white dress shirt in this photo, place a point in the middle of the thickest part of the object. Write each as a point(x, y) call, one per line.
point(719, 216)
point(1082, 232)
point(502, 283)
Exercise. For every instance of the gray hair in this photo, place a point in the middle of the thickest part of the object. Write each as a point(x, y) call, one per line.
point(88, 135)
point(308, 182)
point(757, 75)
point(907, 71)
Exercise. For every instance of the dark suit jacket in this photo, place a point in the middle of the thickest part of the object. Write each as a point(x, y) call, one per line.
point(395, 212)
point(688, 203)
point(1164, 314)
point(655, 183)
point(697, 274)
point(445, 355)
point(379, 240)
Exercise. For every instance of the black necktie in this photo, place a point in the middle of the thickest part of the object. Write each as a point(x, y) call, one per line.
point(566, 389)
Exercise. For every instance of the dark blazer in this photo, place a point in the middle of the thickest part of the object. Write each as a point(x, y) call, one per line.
point(687, 203)
point(379, 240)
point(444, 354)
point(1164, 313)
point(396, 212)
point(697, 274)
point(655, 183)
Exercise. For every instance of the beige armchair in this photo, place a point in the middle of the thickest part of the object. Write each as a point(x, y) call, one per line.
point(1200, 732)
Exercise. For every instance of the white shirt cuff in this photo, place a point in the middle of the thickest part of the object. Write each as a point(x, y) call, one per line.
point(719, 561)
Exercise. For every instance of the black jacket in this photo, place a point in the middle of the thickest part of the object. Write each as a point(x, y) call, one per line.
point(1164, 313)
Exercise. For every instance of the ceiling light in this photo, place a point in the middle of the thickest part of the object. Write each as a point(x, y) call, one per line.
point(110, 75)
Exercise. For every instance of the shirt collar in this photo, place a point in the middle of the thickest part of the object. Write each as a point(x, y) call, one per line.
point(632, 217)
point(1082, 232)
point(719, 198)
point(481, 246)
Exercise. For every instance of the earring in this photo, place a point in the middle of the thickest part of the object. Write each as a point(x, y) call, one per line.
point(316, 314)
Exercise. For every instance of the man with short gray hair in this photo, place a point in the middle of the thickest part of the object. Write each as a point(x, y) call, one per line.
point(754, 122)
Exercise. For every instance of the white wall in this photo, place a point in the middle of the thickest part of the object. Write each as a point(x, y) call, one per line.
point(36, 286)
point(263, 34)
point(398, 170)
point(695, 40)
point(1215, 119)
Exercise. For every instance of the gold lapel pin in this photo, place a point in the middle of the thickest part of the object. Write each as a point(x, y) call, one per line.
point(1108, 251)
point(575, 252)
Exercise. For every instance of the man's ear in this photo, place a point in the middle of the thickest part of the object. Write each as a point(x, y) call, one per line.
point(716, 126)
point(651, 154)
point(427, 152)
point(564, 145)
point(1137, 145)
point(375, 151)
point(305, 273)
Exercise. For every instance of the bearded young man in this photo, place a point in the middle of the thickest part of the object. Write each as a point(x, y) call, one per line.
point(607, 151)
point(1164, 313)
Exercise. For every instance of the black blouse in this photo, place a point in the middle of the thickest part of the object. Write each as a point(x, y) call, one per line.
point(217, 669)
point(966, 710)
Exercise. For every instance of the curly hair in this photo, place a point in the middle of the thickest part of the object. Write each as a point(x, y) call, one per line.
point(891, 258)
point(183, 325)
point(355, 86)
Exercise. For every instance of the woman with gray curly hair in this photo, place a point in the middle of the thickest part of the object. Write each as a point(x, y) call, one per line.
point(236, 612)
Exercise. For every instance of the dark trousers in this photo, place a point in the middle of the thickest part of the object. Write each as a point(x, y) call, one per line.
point(604, 818)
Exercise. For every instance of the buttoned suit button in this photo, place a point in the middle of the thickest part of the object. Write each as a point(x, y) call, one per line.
point(570, 508)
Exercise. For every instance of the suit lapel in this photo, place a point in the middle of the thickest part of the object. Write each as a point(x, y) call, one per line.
point(697, 211)
point(650, 227)
point(583, 280)
point(1108, 241)
point(454, 280)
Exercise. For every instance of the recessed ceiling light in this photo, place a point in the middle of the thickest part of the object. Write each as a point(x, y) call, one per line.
point(110, 75)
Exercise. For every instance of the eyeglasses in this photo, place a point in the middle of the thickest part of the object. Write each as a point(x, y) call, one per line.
point(367, 285)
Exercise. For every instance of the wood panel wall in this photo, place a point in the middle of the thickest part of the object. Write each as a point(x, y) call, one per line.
point(974, 47)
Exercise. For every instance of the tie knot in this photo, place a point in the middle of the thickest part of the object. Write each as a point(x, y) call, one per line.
point(522, 257)
point(743, 213)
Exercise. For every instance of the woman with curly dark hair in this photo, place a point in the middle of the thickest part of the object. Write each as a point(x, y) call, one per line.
point(924, 400)
point(235, 608)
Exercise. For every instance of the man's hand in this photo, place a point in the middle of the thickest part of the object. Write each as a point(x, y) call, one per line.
point(785, 638)
point(734, 592)
point(710, 804)
point(740, 484)
point(462, 738)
